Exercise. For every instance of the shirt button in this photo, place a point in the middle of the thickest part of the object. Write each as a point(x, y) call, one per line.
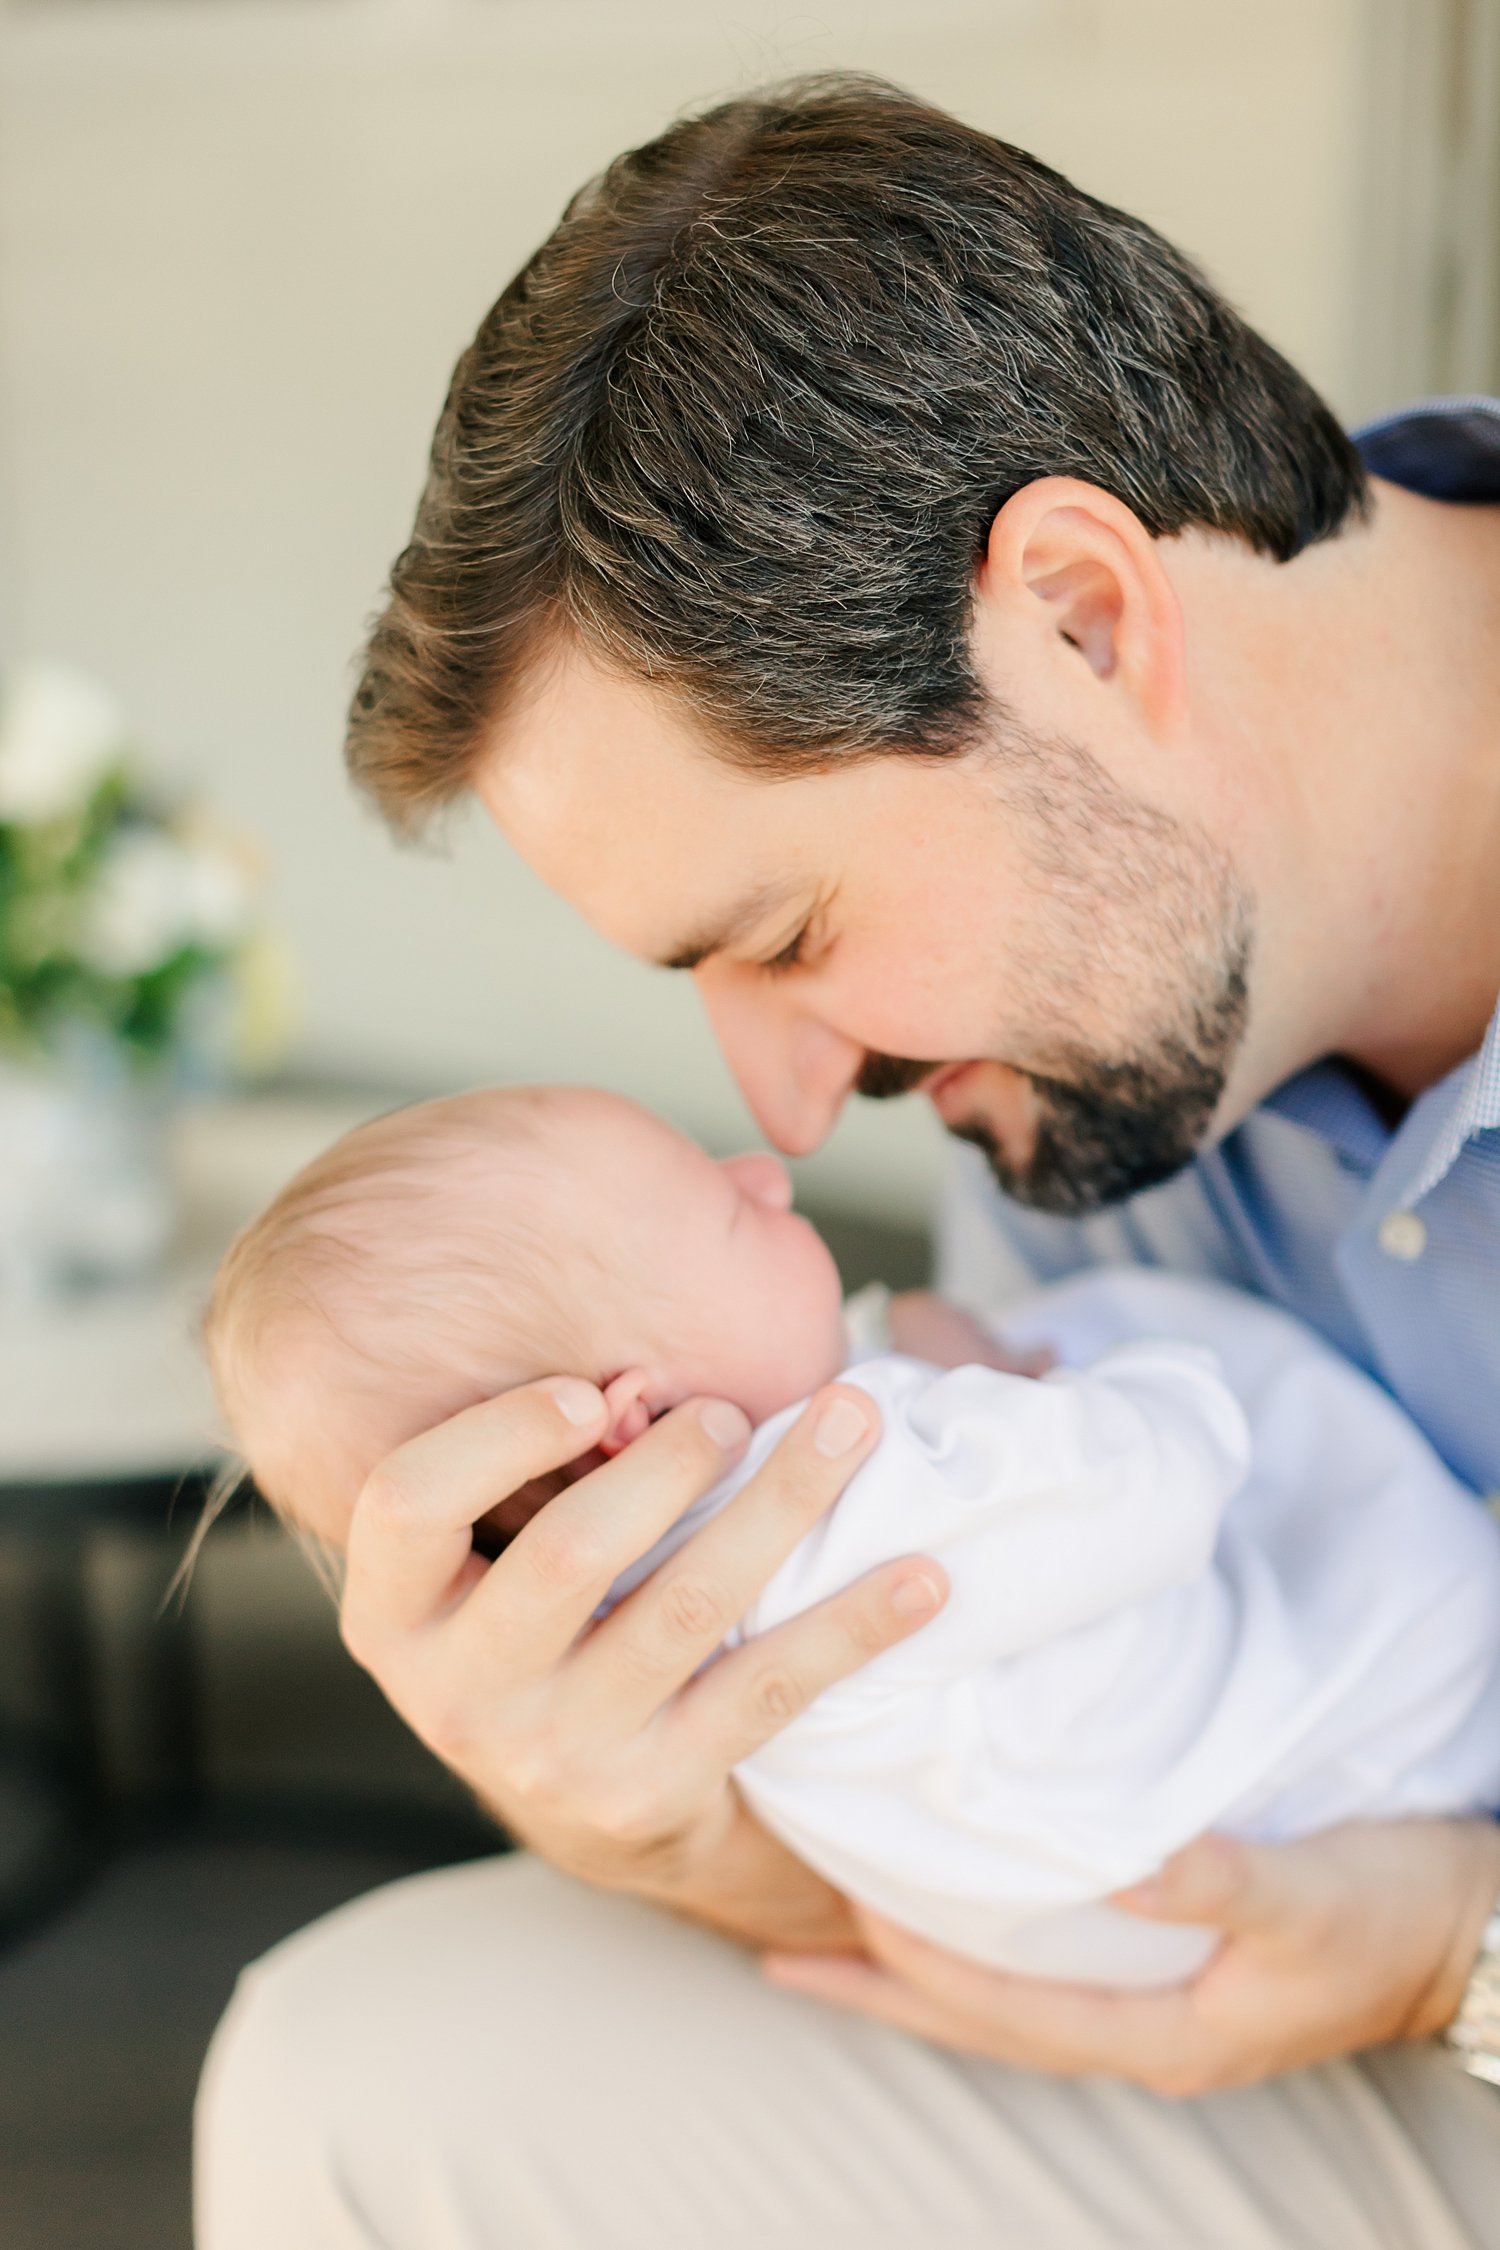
point(1402, 1235)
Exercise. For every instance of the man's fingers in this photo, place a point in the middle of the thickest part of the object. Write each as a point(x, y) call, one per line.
point(751, 1693)
point(541, 1591)
point(845, 1981)
point(1156, 2038)
point(1065, 2029)
point(657, 1640)
point(410, 1533)
point(1245, 1889)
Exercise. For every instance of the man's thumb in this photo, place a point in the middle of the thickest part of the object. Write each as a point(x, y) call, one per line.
point(1219, 1880)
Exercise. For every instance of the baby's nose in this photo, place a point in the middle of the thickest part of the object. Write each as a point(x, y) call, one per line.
point(762, 1177)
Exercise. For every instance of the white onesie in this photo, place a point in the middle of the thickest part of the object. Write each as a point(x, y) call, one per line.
point(1205, 1574)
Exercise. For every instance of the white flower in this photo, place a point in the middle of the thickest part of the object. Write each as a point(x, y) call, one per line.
point(59, 735)
point(219, 886)
point(152, 894)
point(137, 914)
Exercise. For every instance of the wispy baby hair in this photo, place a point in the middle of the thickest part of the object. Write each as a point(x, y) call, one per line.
point(404, 1274)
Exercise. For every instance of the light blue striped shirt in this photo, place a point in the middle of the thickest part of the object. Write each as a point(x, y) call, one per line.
point(1386, 1240)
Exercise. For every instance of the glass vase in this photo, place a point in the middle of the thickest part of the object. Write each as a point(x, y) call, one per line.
point(85, 1181)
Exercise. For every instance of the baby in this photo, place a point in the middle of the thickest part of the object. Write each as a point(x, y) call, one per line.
point(1204, 1573)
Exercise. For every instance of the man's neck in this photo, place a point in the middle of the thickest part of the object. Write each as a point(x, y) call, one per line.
point(1365, 676)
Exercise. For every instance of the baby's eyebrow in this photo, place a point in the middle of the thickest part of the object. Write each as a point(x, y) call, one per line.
point(734, 927)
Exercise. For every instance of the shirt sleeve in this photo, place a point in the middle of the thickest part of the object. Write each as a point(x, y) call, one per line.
point(1051, 1503)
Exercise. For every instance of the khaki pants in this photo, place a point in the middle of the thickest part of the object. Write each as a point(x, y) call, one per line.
point(492, 2058)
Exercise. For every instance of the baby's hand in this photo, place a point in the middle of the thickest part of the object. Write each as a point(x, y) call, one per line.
point(927, 1327)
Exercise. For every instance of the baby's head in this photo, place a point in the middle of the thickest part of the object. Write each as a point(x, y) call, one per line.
point(445, 1253)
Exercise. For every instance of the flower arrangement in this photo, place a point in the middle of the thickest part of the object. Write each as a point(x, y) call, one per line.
point(120, 915)
point(132, 965)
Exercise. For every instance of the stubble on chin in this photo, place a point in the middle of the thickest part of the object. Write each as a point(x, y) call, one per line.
point(1115, 1129)
point(1142, 918)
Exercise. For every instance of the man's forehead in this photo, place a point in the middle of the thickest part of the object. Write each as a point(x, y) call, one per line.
point(601, 786)
point(574, 700)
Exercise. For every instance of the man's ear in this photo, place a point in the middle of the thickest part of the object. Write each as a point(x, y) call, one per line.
point(629, 1415)
point(1073, 564)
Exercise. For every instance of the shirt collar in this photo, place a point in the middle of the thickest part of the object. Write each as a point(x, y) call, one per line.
point(1330, 1102)
point(1473, 1107)
point(1445, 448)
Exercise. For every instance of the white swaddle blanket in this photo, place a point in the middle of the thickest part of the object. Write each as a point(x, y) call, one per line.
point(1205, 1574)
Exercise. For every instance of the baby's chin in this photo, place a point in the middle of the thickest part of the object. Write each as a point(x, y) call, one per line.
point(768, 1389)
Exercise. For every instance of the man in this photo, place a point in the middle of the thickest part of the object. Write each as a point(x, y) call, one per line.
point(864, 571)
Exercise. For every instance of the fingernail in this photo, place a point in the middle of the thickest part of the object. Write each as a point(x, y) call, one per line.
point(725, 1424)
point(916, 1595)
point(577, 1402)
point(840, 1427)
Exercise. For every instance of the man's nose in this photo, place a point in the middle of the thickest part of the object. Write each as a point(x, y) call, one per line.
point(794, 1070)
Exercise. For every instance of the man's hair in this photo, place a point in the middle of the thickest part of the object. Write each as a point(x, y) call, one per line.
point(742, 423)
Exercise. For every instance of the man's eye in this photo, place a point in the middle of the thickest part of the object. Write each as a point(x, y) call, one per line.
point(789, 956)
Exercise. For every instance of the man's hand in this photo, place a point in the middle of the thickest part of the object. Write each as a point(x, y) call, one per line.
point(928, 1327)
point(608, 1746)
point(1345, 1940)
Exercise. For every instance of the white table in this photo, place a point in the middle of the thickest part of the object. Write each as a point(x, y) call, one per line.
point(106, 1418)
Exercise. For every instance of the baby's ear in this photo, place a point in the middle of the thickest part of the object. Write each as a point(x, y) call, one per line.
point(629, 1414)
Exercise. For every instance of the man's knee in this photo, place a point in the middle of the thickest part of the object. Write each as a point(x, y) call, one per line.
point(267, 2158)
point(362, 2063)
point(340, 2043)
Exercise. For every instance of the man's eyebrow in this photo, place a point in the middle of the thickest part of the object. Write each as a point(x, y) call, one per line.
point(732, 929)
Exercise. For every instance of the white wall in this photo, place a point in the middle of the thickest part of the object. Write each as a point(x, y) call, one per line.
point(240, 247)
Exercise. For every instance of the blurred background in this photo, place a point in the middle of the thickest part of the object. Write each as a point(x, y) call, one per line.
point(241, 244)
point(243, 241)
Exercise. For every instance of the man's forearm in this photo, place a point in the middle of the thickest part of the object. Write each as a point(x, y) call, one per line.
point(739, 1880)
point(750, 1887)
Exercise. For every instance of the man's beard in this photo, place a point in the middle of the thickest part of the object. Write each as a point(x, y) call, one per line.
point(1138, 885)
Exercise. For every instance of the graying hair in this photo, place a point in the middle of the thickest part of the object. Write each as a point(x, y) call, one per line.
point(742, 423)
